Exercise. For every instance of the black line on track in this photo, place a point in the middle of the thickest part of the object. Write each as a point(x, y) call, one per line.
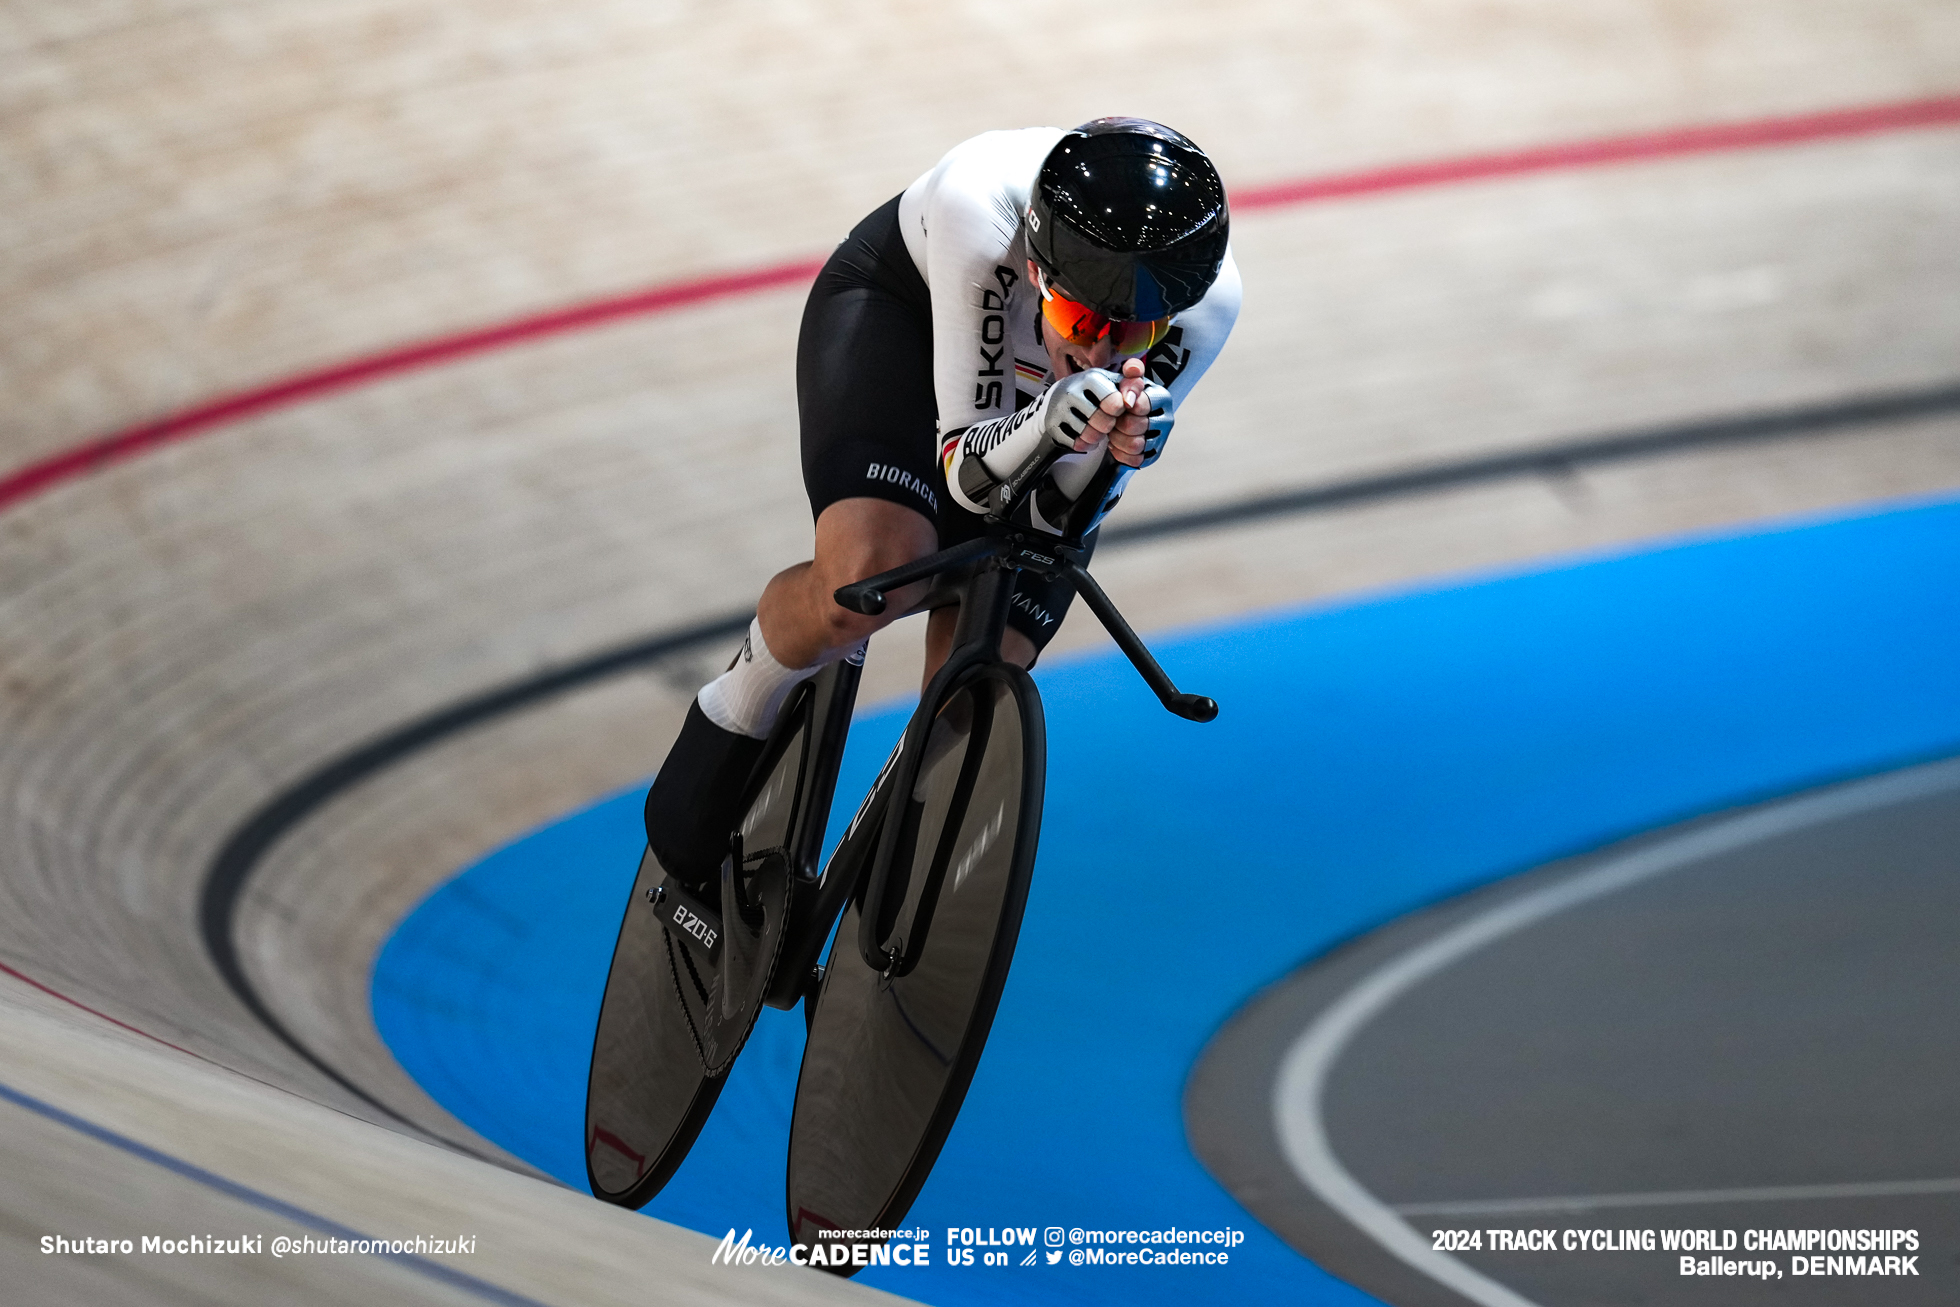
point(232, 868)
point(1556, 459)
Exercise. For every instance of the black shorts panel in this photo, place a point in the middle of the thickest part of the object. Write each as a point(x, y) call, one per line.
point(865, 403)
point(868, 418)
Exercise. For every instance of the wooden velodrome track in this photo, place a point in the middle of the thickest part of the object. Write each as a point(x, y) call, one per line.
point(208, 199)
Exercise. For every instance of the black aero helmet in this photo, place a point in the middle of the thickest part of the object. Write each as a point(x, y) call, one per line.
point(1128, 218)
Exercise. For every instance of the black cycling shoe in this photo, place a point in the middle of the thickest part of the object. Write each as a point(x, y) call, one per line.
point(696, 800)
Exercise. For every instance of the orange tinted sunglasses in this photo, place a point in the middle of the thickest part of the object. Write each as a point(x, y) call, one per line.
point(1081, 325)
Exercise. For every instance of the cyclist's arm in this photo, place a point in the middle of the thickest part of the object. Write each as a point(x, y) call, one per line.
point(962, 225)
point(1198, 335)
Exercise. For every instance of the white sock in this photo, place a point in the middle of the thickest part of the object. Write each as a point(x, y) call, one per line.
point(746, 698)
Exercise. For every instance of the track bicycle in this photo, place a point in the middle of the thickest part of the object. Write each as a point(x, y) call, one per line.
point(926, 889)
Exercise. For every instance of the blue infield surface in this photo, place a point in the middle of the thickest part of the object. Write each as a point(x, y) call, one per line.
point(1370, 758)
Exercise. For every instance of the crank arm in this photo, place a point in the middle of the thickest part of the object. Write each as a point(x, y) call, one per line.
point(697, 925)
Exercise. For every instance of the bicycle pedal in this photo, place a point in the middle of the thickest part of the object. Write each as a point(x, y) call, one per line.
point(696, 924)
point(812, 987)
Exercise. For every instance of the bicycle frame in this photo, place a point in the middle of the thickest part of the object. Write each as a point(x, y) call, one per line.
point(693, 982)
point(988, 565)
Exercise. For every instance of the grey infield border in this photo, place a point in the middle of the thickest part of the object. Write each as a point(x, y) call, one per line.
point(1252, 1107)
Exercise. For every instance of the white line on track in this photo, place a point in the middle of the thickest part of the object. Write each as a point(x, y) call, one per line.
point(1780, 1193)
point(1301, 1085)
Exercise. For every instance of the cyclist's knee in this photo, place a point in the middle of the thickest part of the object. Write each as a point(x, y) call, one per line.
point(858, 539)
point(871, 533)
point(842, 626)
point(854, 560)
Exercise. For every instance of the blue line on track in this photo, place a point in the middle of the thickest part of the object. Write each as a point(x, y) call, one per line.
point(263, 1201)
point(1370, 757)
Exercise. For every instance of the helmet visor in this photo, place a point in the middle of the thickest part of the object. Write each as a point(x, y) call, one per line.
point(1081, 325)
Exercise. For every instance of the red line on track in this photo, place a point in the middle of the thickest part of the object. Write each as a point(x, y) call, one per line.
point(25, 979)
point(83, 459)
point(1672, 143)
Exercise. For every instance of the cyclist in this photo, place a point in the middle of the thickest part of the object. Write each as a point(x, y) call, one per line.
point(1035, 286)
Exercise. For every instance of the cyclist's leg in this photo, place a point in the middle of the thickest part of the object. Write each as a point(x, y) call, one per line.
point(856, 538)
point(799, 628)
point(868, 424)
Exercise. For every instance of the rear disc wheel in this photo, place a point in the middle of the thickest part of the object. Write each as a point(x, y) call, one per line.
point(674, 1018)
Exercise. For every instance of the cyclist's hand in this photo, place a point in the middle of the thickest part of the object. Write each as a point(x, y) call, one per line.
point(1124, 418)
point(1076, 403)
point(1126, 409)
point(1160, 411)
point(1135, 420)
